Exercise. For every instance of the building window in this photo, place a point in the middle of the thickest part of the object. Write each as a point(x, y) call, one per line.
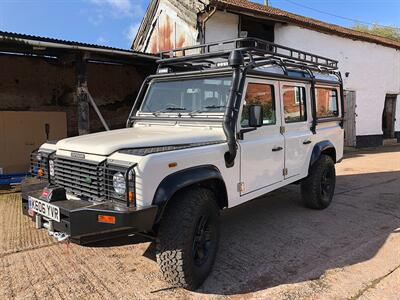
point(294, 103)
point(257, 28)
point(259, 94)
point(326, 102)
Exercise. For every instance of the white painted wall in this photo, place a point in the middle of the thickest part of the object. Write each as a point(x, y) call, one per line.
point(374, 69)
point(169, 30)
point(222, 26)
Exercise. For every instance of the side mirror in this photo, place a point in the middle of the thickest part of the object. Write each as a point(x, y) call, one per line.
point(255, 116)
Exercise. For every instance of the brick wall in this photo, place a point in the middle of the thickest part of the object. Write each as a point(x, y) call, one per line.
point(29, 83)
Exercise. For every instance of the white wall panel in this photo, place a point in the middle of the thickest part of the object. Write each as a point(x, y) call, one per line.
point(374, 70)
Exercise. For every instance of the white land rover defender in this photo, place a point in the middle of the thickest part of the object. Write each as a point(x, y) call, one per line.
point(213, 128)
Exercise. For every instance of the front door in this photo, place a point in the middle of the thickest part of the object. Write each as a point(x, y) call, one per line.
point(388, 117)
point(350, 118)
point(262, 152)
point(295, 115)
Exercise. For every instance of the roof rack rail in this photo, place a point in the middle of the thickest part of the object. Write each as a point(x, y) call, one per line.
point(253, 48)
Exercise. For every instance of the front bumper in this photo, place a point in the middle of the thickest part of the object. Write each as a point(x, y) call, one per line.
point(79, 218)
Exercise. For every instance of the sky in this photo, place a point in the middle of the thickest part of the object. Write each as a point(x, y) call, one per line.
point(115, 22)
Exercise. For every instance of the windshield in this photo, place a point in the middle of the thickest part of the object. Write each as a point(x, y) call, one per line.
point(192, 96)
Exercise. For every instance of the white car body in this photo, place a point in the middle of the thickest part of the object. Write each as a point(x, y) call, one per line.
point(201, 137)
point(258, 170)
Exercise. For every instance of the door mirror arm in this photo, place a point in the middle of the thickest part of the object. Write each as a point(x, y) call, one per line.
point(240, 134)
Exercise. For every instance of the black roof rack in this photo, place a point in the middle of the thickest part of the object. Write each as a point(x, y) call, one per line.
point(254, 49)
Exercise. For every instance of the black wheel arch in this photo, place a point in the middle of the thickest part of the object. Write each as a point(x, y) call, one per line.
point(323, 147)
point(207, 176)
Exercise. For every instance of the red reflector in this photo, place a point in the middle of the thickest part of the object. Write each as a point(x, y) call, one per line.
point(45, 193)
point(106, 219)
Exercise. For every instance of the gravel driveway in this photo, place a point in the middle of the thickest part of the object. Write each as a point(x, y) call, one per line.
point(271, 248)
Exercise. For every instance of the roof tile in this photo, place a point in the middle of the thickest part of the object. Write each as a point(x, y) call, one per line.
point(287, 17)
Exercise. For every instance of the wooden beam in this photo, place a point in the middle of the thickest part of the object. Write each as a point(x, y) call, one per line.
point(82, 97)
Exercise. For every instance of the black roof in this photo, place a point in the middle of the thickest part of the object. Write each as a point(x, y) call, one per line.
point(13, 37)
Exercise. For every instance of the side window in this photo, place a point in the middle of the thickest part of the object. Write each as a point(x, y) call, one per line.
point(260, 94)
point(294, 103)
point(326, 102)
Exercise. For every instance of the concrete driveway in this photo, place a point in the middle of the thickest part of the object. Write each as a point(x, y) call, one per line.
point(271, 248)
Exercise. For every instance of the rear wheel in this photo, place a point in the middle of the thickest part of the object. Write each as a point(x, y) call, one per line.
point(188, 238)
point(318, 188)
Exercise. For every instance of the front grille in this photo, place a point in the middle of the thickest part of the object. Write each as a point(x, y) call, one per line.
point(80, 177)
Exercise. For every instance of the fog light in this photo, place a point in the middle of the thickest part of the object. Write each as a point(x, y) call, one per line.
point(131, 197)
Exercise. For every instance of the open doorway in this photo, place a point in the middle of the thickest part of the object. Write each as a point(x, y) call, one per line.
point(388, 116)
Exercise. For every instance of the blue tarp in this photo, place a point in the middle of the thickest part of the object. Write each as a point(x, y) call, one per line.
point(12, 178)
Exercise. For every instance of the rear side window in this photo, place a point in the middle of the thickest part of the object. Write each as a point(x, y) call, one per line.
point(259, 94)
point(326, 102)
point(294, 103)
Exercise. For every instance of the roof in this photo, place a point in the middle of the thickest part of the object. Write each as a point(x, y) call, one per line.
point(33, 40)
point(245, 6)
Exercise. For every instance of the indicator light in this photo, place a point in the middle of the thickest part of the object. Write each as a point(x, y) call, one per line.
point(106, 219)
point(131, 197)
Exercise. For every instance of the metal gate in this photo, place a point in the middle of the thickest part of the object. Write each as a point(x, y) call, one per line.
point(350, 118)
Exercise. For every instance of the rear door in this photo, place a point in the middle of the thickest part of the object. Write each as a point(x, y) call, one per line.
point(296, 127)
point(262, 150)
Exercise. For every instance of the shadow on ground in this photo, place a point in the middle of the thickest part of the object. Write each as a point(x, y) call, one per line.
point(275, 240)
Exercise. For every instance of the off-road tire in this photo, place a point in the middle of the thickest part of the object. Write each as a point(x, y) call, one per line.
point(314, 194)
point(176, 254)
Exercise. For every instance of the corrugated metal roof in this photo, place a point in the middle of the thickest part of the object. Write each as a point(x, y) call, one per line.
point(287, 17)
point(19, 37)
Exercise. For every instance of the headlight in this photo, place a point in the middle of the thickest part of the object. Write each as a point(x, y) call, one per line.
point(51, 168)
point(119, 183)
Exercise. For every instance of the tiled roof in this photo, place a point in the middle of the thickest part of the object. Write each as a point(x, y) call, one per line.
point(286, 17)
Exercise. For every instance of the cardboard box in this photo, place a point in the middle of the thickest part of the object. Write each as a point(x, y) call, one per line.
point(21, 132)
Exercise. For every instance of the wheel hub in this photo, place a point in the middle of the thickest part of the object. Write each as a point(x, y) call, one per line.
point(326, 183)
point(201, 241)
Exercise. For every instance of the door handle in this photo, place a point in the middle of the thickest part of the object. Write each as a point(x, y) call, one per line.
point(306, 142)
point(277, 149)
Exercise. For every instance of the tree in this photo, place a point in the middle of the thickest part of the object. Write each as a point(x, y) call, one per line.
point(376, 29)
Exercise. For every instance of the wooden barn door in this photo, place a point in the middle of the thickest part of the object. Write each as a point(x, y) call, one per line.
point(388, 117)
point(350, 118)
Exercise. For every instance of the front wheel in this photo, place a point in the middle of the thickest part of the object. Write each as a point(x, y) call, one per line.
point(188, 238)
point(318, 188)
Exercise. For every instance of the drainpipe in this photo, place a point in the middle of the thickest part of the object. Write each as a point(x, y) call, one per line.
point(203, 23)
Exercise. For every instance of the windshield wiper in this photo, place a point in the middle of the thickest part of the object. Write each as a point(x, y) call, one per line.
point(214, 106)
point(206, 107)
point(165, 109)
